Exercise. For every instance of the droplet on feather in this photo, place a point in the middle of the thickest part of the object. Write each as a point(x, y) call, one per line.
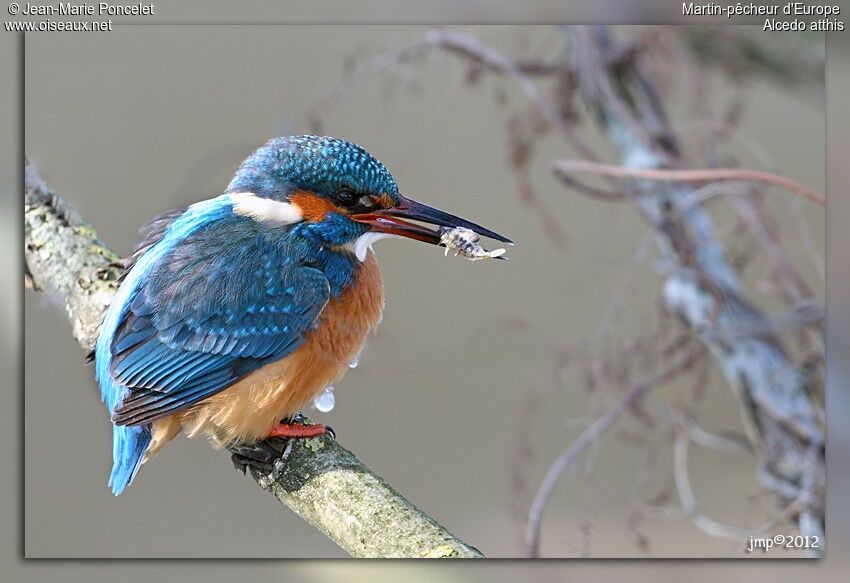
point(325, 402)
point(356, 360)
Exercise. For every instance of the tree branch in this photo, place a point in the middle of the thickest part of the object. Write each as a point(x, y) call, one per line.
point(568, 167)
point(321, 481)
point(775, 394)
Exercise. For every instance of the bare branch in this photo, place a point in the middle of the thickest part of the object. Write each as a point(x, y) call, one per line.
point(471, 48)
point(691, 506)
point(590, 435)
point(689, 501)
point(729, 443)
point(568, 167)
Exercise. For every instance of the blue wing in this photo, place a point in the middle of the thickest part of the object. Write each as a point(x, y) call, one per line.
point(219, 304)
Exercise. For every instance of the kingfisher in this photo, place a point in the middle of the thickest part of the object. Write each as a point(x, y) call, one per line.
point(234, 313)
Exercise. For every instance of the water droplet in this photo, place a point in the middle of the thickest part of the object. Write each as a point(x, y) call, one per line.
point(325, 402)
point(356, 360)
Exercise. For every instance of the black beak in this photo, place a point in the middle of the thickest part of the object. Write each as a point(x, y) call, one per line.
point(389, 221)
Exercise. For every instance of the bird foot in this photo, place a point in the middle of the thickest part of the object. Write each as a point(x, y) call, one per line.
point(296, 428)
point(298, 431)
point(267, 460)
point(259, 456)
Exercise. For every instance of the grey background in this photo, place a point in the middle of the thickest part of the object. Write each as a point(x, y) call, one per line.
point(129, 124)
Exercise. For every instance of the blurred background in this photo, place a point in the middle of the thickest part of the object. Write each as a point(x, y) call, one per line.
point(480, 374)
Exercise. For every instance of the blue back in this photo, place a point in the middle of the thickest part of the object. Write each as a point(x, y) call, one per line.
point(217, 297)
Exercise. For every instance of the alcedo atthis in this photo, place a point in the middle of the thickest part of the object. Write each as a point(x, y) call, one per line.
point(234, 313)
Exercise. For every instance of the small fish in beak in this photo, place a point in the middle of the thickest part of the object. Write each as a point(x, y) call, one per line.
point(454, 233)
point(464, 242)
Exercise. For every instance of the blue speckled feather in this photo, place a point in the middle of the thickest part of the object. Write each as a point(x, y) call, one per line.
point(129, 443)
point(319, 164)
point(202, 319)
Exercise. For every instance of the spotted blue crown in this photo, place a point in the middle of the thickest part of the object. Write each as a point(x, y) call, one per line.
point(323, 165)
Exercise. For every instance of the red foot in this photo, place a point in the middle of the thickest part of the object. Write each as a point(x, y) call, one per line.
point(297, 431)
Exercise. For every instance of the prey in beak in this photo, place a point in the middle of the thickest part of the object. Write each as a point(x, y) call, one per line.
point(453, 233)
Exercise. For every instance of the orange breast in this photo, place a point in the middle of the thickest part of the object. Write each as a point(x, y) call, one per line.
point(247, 410)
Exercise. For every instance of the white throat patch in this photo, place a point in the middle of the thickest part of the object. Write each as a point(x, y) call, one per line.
point(265, 209)
point(361, 245)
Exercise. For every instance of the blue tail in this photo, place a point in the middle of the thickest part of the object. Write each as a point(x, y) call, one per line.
point(128, 449)
point(128, 443)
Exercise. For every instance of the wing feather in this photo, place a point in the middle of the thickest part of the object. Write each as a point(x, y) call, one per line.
point(192, 330)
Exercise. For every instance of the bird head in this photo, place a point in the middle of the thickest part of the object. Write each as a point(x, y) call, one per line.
point(337, 192)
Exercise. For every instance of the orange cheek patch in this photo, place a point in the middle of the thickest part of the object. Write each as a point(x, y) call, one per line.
point(313, 207)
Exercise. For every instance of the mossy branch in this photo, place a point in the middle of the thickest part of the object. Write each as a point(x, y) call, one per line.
point(321, 481)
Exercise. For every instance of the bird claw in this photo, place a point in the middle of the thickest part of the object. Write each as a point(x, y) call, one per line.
point(258, 456)
point(264, 459)
point(280, 463)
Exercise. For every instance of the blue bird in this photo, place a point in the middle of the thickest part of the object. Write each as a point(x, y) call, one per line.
point(236, 312)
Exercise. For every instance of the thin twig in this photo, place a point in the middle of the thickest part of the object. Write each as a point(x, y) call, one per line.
point(688, 498)
point(568, 167)
point(693, 509)
point(591, 434)
point(592, 191)
point(471, 48)
point(731, 443)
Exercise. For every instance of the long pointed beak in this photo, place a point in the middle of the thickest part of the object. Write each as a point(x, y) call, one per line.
point(391, 221)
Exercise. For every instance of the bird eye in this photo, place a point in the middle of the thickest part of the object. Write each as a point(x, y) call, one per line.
point(346, 197)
